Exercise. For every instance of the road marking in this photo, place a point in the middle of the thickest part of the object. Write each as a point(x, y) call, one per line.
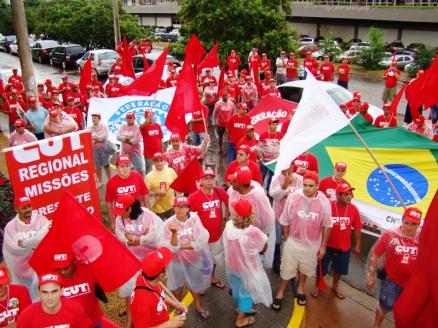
point(187, 300)
point(297, 319)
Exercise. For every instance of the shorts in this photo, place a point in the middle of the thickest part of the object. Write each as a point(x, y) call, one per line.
point(389, 94)
point(128, 287)
point(338, 259)
point(101, 158)
point(137, 161)
point(297, 256)
point(389, 292)
point(217, 252)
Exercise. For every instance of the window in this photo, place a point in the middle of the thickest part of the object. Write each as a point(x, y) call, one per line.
point(108, 55)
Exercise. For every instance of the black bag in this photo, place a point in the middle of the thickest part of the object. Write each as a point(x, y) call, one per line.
point(381, 273)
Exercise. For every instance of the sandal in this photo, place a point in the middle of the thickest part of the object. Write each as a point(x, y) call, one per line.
point(338, 294)
point(301, 299)
point(218, 284)
point(276, 304)
point(252, 312)
point(205, 314)
point(248, 322)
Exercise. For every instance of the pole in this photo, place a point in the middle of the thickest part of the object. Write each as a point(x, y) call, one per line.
point(20, 27)
point(169, 293)
point(116, 22)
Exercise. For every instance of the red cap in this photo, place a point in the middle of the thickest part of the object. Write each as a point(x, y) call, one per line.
point(64, 77)
point(96, 114)
point(31, 100)
point(181, 201)
point(130, 115)
point(14, 70)
point(244, 72)
point(249, 127)
point(155, 262)
point(268, 73)
point(175, 137)
point(22, 201)
point(48, 278)
point(308, 52)
point(110, 76)
point(357, 94)
point(386, 106)
point(272, 80)
point(70, 98)
point(53, 113)
point(89, 86)
point(243, 208)
point(55, 91)
point(96, 88)
point(242, 105)
point(341, 166)
point(365, 105)
point(62, 259)
point(311, 176)
point(122, 159)
point(48, 82)
point(419, 120)
point(158, 155)
point(208, 173)
point(19, 123)
point(242, 175)
point(343, 187)
point(245, 148)
point(273, 120)
point(4, 278)
point(413, 214)
point(122, 203)
point(147, 112)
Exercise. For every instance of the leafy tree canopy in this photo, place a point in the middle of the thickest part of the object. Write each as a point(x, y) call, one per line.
point(371, 56)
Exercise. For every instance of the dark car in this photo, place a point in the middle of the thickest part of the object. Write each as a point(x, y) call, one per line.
point(42, 49)
point(137, 60)
point(415, 46)
point(66, 55)
point(395, 46)
point(6, 42)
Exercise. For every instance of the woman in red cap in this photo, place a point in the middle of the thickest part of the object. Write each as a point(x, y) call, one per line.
point(420, 126)
point(242, 244)
point(192, 264)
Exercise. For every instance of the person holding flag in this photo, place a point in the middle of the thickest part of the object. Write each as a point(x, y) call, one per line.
point(386, 120)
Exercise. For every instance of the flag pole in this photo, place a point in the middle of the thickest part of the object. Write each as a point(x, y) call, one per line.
point(377, 163)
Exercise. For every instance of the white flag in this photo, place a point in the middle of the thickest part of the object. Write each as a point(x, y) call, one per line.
point(316, 118)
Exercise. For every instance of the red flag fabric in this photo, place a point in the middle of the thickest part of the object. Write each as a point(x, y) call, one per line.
point(396, 100)
point(221, 77)
point(185, 100)
point(145, 63)
point(194, 51)
point(417, 305)
point(430, 84)
point(2, 89)
point(414, 95)
point(127, 68)
point(211, 60)
point(85, 79)
point(147, 84)
point(320, 283)
point(73, 227)
point(186, 181)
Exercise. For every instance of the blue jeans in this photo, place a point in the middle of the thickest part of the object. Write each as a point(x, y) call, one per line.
point(231, 152)
point(197, 137)
point(343, 84)
point(389, 292)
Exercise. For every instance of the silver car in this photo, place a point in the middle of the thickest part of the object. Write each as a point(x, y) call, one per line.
point(101, 60)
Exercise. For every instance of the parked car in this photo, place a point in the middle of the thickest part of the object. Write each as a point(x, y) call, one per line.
point(415, 46)
point(319, 39)
point(14, 46)
point(402, 61)
point(306, 41)
point(101, 60)
point(41, 50)
point(360, 46)
point(321, 52)
point(66, 55)
point(352, 55)
point(6, 41)
point(137, 60)
point(395, 46)
point(304, 49)
point(293, 91)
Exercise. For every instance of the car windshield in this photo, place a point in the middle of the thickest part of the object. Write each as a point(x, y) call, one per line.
point(107, 55)
point(75, 50)
point(11, 38)
point(339, 95)
point(49, 44)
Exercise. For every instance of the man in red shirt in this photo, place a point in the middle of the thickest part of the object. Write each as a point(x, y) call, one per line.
point(386, 120)
point(291, 68)
point(223, 110)
point(15, 76)
point(53, 310)
point(399, 248)
point(96, 83)
point(345, 219)
point(208, 78)
point(253, 59)
point(172, 80)
point(309, 62)
point(78, 283)
point(363, 110)
point(250, 141)
point(12, 107)
point(66, 88)
point(199, 124)
point(236, 129)
point(11, 310)
point(264, 84)
point(152, 138)
point(243, 159)
point(343, 72)
point(233, 62)
point(391, 77)
point(329, 184)
point(264, 66)
point(327, 69)
point(272, 90)
point(207, 202)
point(148, 300)
point(305, 162)
point(116, 68)
point(74, 112)
point(125, 181)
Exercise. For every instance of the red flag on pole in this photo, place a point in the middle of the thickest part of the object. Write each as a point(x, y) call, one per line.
point(221, 77)
point(211, 60)
point(186, 181)
point(127, 68)
point(2, 89)
point(85, 79)
point(91, 243)
point(194, 51)
point(148, 83)
point(430, 84)
point(145, 63)
point(396, 100)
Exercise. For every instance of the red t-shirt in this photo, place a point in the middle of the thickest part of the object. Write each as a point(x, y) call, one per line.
point(400, 255)
point(327, 70)
point(344, 218)
point(309, 162)
point(255, 170)
point(81, 289)
point(12, 307)
point(254, 61)
point(233, 62)
point(209, 209)
point(76, 113)
point(171, 81)
point(265, 65)
point(273, 92)
point(252, 144)
point(200, 126)
point(384, 122)
point(134, 185)
point(152, 139)
point(148, 309)
point(328, 186)
point(99, 84)
point(71, 315)
point(310, 63)
point(13, 106)
point(237, 127)
point(391, 77)
point(292, 68)
point(343, 72)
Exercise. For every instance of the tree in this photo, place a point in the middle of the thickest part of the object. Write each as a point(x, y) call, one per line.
point(236, 24)
point(423, 60)
point(371, 56)
point(6, 23)
point(329, 47)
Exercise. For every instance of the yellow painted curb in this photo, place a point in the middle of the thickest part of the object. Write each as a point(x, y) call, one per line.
point(187, 300)
point(298, 315)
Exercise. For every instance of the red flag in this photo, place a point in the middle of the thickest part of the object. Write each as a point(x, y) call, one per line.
point(148, 83)
point(221, 77)
point(186, 181)
point(145, 63)
point(414, 95)
point(417, 305)
point(85, 79)
point(2, 89)
point(396, 100)
point(194, 51)
point(320, 282)
point(127, 68)
point(73, 227)
point(185, 100)
point(430, 84)
point(211, 60)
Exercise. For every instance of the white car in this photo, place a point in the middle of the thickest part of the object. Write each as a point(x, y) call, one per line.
point(401, 60)
point(14, 46)
point(101, 60)
point(304, 41)
point(360, 46)
point(293, 91)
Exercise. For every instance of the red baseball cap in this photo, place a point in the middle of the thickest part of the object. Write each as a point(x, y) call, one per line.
point(53, 113)
point(155, 262)
point(386, 106)
point(341, 166)
point(4, 278)
point(14, 70)
point(31, 100)
point(96, 114)
point(22, 201)
point(175, 137)
point(158, 155)
point(245, 148)
point(243, 208)
point(249, 127)
point(413, 214)
point(311, 176)
point(242, 175)
point(365, 105)
point(89, 86)
point(122, 203)
point(419, 120)
point(242, 105)
point(57, 103)
point(308, 52)
point(181, 201)
point(268, 73)
point(343, 187)
point(123, 159)
point(147, 112)
point(208, 173)
point(62, 259)
point(50, 278)
point(130, 115)
point(19, 123)
point(48, 82)
point(55, 91)
point(357, 94)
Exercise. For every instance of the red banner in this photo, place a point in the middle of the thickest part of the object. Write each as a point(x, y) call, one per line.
point(43, 170)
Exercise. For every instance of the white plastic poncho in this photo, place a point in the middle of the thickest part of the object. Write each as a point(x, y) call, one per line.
point(264, 217)
point(242, 248)
point(191, 266)
point(279, 195)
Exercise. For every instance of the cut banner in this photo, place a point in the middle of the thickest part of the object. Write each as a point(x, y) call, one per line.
point(42, 170)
